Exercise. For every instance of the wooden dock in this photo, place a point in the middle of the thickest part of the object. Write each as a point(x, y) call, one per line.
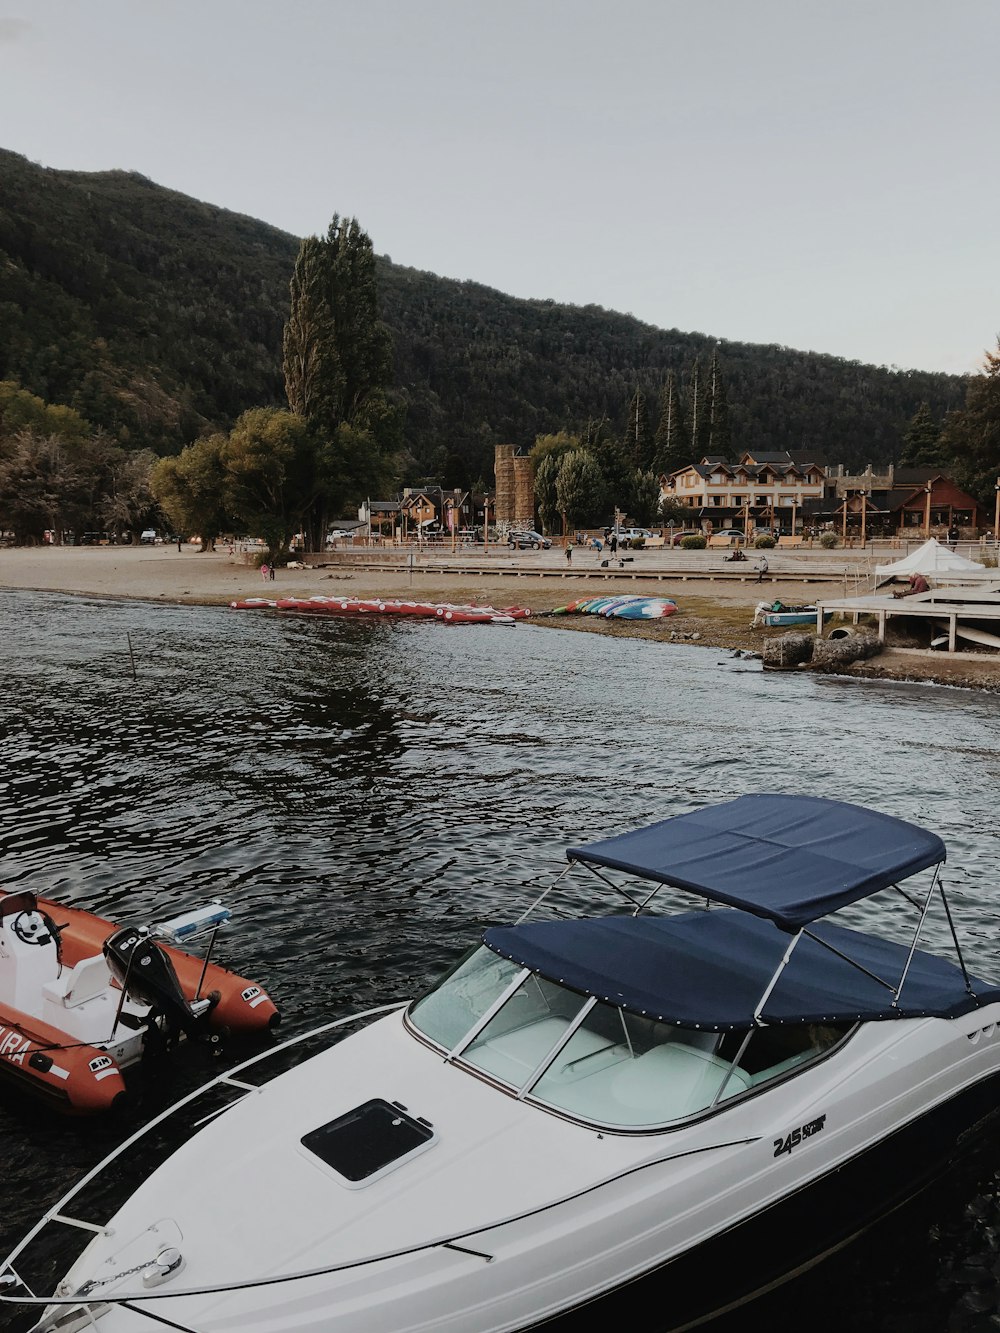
point(970, 614)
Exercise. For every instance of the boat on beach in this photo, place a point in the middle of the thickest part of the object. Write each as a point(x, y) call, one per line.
point(721, 1095)
point(775, 615)
point(457, 614)
point(82, 999)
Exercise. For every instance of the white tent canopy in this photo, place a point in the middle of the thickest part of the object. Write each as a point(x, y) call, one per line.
point(930, 559)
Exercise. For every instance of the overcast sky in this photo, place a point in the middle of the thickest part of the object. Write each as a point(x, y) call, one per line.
point(821, 175)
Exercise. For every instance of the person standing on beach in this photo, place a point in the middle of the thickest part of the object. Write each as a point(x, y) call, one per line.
point(178, 545)
point(264, 572)
point(569, 555)
point(270, 572)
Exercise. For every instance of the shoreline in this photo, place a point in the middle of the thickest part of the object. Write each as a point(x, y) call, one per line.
point(712, 613)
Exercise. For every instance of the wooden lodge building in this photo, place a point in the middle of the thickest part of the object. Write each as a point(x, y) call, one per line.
point(761, 489)
point(904, 502)
point(792, 492)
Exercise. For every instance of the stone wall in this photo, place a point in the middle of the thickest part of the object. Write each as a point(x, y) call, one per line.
point(503, 466)
point(524, 492)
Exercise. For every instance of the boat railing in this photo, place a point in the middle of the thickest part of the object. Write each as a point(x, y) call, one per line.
point(226, 1079)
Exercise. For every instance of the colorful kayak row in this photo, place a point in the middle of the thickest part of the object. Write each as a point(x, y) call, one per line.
point(356, 606)
point(634, 607)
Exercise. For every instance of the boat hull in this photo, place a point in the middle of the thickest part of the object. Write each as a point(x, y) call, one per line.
point(713, 1213)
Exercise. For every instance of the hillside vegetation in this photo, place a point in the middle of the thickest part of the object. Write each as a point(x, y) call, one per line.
point(159, 317)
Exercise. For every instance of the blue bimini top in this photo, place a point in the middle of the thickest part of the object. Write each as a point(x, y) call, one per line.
point(710, 970)
point(790, 859)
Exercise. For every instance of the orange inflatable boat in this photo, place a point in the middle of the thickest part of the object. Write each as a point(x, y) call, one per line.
point(81, 999)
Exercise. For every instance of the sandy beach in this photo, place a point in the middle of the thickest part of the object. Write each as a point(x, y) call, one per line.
point(714, 606)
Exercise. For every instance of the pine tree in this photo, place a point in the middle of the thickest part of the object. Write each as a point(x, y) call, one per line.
point(719, 441)
point(922, 441)
point(698, 412)
point(971, 435)
point(637, 443)
point(671, 447)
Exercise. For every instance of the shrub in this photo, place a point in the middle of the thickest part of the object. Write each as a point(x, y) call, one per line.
point(764, 542)
point(636, 543)
point(693, 543)
point(828, 540)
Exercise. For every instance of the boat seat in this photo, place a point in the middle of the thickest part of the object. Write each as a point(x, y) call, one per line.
point(513, 1055)
point(76, 985)
point(667, 1083)
point(678, 1078)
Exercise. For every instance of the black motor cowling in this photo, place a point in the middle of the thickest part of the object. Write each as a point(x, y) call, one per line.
point(147, 976)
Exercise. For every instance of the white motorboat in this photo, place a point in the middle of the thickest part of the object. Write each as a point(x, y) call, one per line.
point(722, 1095)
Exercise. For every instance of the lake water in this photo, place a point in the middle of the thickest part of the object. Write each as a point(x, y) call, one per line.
point(367, 796)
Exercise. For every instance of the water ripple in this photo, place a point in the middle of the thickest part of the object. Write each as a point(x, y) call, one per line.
point(366, 796)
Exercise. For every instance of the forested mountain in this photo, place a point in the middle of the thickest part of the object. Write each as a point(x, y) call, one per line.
point(157, 317)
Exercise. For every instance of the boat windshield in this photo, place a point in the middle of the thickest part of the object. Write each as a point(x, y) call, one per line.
point(462, 996)
point(595, 1061)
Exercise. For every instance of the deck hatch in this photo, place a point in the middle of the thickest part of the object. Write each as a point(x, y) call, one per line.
point(371, 1139)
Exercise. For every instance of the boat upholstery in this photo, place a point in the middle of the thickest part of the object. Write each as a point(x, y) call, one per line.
point(667, 1083)
point(76, 985)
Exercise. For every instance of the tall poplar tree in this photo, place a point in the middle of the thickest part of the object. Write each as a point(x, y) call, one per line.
point(337, 360)
point(580, 491)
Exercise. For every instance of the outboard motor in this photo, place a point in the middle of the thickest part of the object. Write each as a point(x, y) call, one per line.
point(147, 975)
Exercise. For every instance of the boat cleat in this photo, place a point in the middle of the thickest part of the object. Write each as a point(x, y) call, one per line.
point(167, 1264)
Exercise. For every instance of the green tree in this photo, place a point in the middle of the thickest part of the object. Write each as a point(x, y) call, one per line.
point(645, 497)
point(546, 498)
point(972, 434)
point(337, 359)
point(609, 455)
point(314, 377)
point(556, 445)
point(20, 410)
point(698, 411)
point(671, 445)
point(580, 490)
point(637, 442)
point(922, 446)
point(190, 489)
point(128, 503)
point(718, 441)
point(271, 474)
point(44, 483)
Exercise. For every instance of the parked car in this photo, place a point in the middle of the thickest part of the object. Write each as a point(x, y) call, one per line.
point(678, 536)
point(529, 538)
point(734, 534)
point(148, 537)
point(626, 534)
